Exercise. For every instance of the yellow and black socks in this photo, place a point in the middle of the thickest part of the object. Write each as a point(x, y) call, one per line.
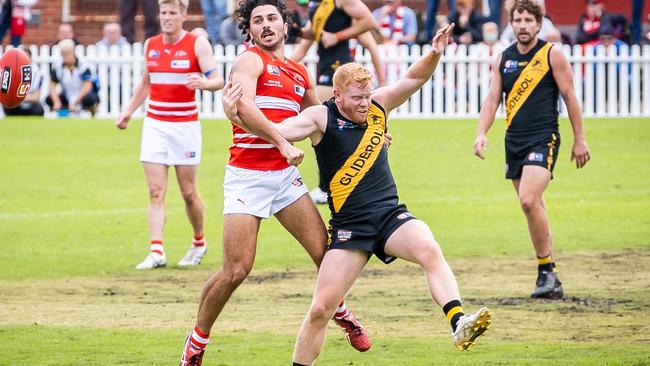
point(453, 310)
point(545, 264)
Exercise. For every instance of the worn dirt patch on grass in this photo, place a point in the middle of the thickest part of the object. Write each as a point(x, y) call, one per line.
point(606, 295)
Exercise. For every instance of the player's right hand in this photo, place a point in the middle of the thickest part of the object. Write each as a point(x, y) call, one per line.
point(231, 95)
point(293, 154)
point(122, 120)
point(480, 145)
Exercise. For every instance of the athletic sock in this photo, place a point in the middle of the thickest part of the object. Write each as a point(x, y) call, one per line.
point(341, 311)
point(453, 310)
point(297, 364)
point(198, 240)
point(545, 264)
point(156, 246)
point(554, 267)
point(199, 339)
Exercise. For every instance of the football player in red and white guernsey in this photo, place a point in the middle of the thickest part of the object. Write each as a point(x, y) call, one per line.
point(178, 63)
point(261, 178)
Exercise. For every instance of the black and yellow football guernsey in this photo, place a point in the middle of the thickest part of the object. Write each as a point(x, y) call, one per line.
point(326, 16)
point(363, 201)
point(532, 131)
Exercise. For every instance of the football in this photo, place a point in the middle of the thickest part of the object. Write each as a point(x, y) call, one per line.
point(16, 77)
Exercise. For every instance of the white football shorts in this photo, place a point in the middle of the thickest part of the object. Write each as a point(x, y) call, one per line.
point(170, 143)
point(260, 193)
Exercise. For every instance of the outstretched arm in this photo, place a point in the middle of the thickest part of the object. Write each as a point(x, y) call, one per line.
point(488, 110)
point(563, 76)
point(419, 73)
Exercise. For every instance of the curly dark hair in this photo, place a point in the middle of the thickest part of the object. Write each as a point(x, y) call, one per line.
point(246, 7)
point(534, 7)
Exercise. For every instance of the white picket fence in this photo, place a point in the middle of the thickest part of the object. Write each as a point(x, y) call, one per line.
point(607, 84)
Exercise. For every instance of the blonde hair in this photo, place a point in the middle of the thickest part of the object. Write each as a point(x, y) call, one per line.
point(183, 4)
point(349, 73)
point(66, 45)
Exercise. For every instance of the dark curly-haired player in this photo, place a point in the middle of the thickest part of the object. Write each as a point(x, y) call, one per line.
point(261, 178)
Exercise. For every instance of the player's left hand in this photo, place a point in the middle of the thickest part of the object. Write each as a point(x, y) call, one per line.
point(231, 95)
point(388, 139)
point(580, 153)
point(328, 39)
point(195, 81)
point(441, 39)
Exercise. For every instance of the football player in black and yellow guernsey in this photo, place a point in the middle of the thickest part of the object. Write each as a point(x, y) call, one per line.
point(532, 73)
point(347, 133)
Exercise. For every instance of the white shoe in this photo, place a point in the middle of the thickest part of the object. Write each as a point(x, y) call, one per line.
point(318, 196)
point(470, 327)
point(153, 260)
point(193, 256)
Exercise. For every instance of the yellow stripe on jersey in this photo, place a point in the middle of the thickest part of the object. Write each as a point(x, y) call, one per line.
point(523, 87)
point(323, 12)
point(359, 163)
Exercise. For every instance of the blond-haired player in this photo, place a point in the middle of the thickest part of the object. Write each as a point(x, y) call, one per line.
point(177, 63)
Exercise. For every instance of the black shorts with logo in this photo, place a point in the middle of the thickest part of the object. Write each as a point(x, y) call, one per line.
point(539, 149)
point(328, 65)
point(369, 231)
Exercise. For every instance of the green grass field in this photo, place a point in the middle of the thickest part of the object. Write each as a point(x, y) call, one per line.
point(73, 225)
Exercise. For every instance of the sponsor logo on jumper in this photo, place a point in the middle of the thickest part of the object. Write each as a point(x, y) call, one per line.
point(154, 53)
point(374, 146)
point(273, 70)
point(525, 84)
point(299, 90)
point(180, 64)
point(180, 53)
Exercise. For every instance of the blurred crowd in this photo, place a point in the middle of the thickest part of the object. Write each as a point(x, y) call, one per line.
point(74, 85)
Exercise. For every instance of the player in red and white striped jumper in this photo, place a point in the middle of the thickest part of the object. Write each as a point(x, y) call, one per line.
point(177, 64)
point(261, 178)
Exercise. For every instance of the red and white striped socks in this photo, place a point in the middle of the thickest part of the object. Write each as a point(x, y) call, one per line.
point(156, 246)
point(198, 240)
point(199, 339)
point(341, 311)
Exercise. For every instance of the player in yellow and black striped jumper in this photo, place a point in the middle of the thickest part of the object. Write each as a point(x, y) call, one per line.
point(347, 133)
point(531, 73)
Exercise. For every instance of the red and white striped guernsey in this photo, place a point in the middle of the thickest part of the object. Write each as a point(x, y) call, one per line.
point(280, 90)
point(169, 65)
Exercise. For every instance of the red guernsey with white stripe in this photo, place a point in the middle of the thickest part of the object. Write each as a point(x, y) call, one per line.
point(280, 90)
point(169, 65)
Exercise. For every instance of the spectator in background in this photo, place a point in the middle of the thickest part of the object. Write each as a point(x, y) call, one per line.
point(468, 23)
point(637, 23)
point(432, 9)
point(215, 12)
point(490, 33)
point(554, 36)
point(112, 36)
point(595, 17)
point(65, 31)
point(31, 106)
point(606, 38)
point(495, 11)
point(229, 31)
point(299, 17)
point(20, 14)
point(398, 23)
point(128, 9)
point(5, 17)
point(77, 81)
